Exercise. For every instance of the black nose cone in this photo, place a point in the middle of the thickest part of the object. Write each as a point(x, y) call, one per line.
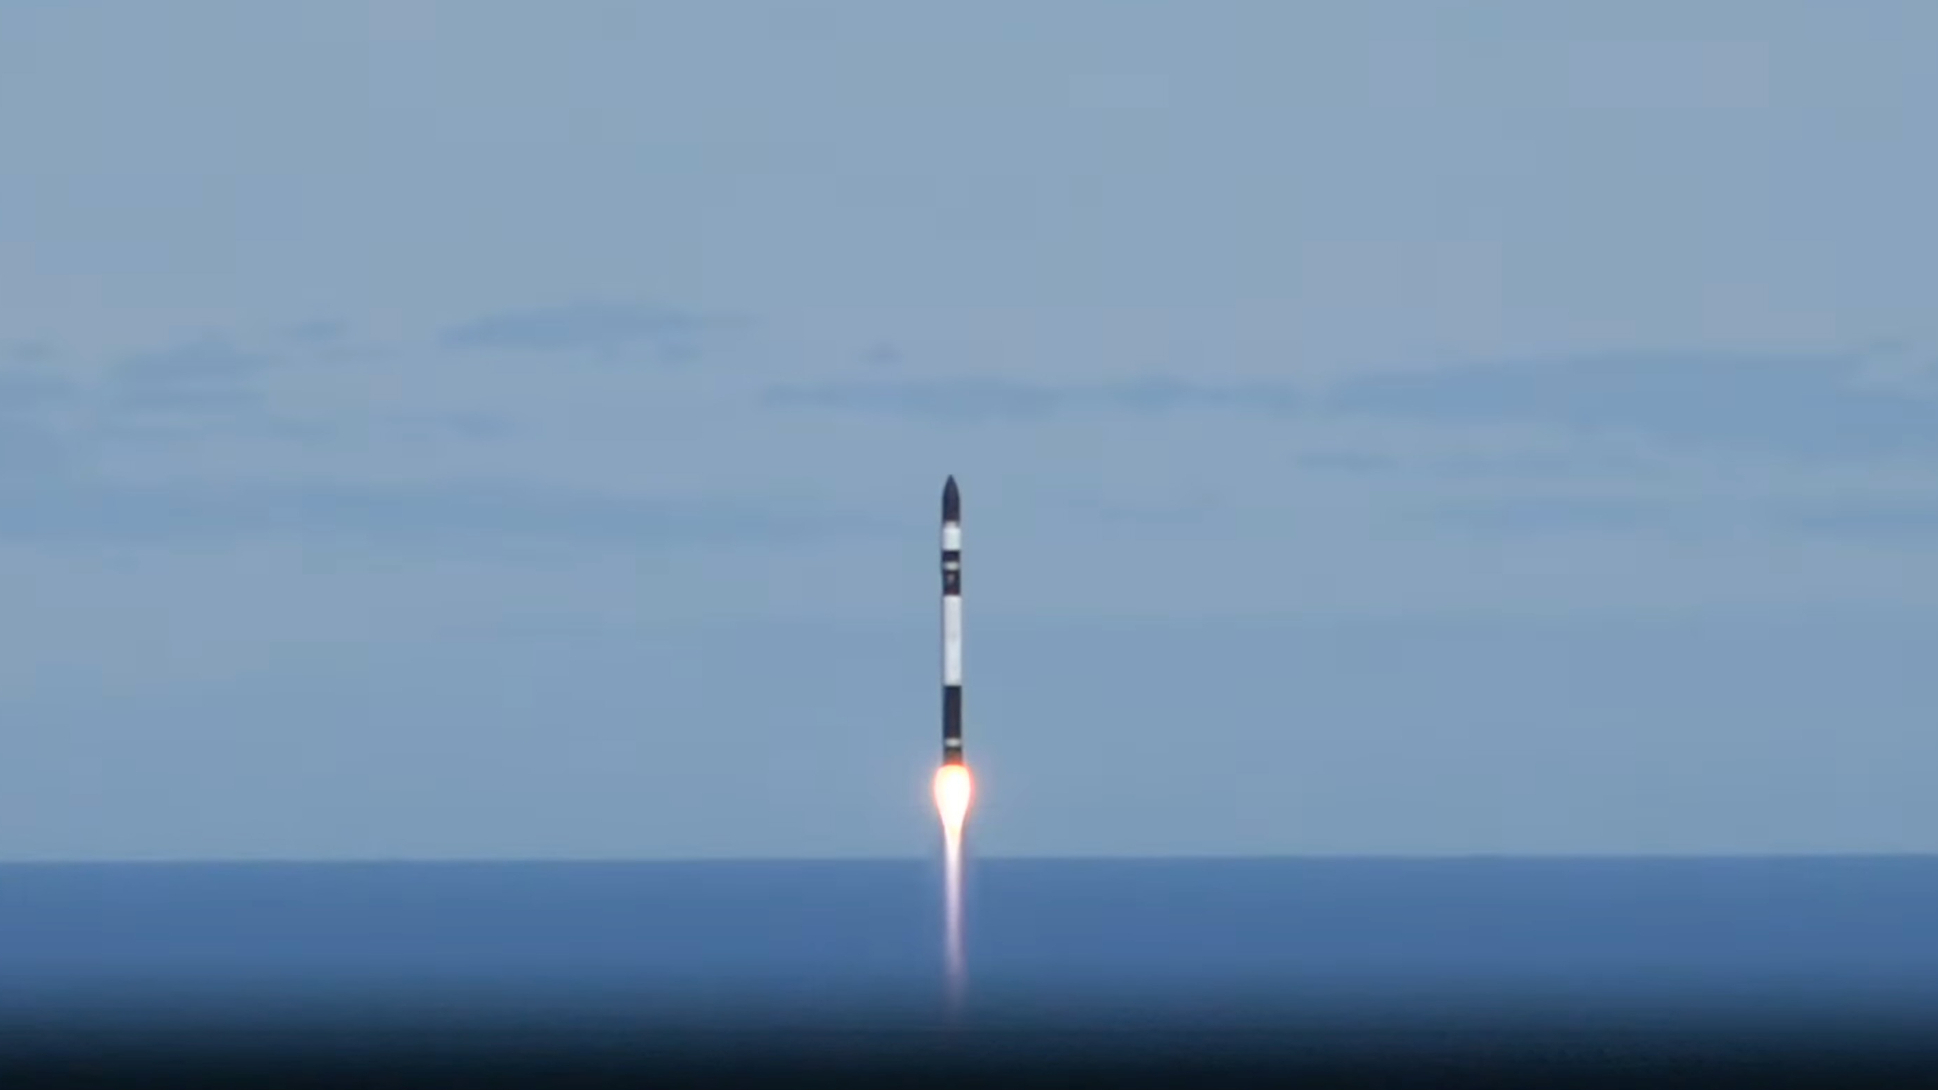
point(951, 502)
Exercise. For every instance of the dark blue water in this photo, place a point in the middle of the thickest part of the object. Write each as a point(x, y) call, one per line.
point(1208, 939)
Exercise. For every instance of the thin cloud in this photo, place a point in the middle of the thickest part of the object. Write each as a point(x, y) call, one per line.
point(29, 352)
point(1347, 462)
point(1572, 515)
point(1875, 519)
point(446, 516)
point(325, 331)
point(1870, 518)
point(28, 388)
point(475, 427)
point(973, 400)
point(883, 357)
point(182, 393)
point(1786, 406)
point(207, 374)
point(31, 404)
point(27, 448)
point(1190, 510)
point(605, 329)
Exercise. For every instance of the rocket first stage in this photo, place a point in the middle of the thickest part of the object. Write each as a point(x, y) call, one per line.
point(953, 785)
point(951, 624)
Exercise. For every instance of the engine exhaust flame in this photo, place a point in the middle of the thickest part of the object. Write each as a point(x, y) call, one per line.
point(954, 789)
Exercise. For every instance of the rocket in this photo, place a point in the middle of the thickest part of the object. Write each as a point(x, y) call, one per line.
point(951, 624)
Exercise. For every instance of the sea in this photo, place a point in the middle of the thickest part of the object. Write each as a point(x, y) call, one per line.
point(1312, 949)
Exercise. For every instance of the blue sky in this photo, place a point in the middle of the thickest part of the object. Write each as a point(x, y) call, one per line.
point(510, 429)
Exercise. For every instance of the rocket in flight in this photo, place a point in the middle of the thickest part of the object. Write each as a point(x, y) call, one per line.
point(951, 624)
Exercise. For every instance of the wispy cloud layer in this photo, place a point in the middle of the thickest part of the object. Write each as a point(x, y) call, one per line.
point(1525, 434)
point(972, 400)
point(1789, 407)
point(1898, 519)
point(26, 448)
point(1794, 407)
point(485, 515)
point(318, 332)
point(1914, 518)
point(1570, 514)
point(601, 328)
point(29, 395)
point(205, 374)
point(24, 388)
point(28, 352)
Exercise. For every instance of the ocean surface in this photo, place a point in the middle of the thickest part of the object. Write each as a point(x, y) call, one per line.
point(1341, 942)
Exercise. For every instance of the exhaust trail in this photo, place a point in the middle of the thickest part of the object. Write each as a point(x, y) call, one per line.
point(953, 791)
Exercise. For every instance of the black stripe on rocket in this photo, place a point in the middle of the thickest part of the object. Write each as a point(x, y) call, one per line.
point(951, 624)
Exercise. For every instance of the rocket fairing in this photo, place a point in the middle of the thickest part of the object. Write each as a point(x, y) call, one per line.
point(951, 624)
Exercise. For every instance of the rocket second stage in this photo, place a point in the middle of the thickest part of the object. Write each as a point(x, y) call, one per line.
point(951, 624)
